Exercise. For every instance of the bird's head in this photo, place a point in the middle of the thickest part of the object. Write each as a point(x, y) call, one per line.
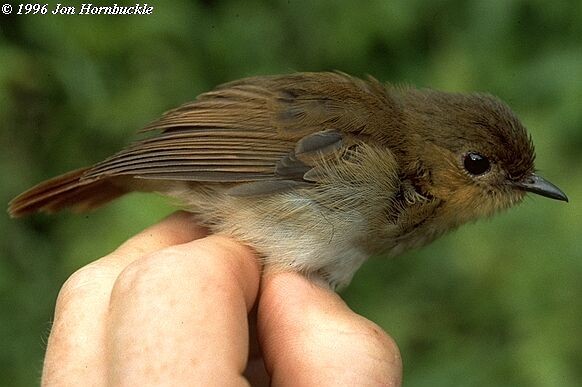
point(474, 153)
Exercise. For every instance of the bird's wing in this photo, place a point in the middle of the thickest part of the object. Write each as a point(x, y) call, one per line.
point(256, 129)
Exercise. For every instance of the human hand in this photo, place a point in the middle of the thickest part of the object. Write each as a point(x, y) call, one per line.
point(171, 306)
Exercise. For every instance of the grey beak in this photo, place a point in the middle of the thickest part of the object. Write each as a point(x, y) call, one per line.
point(539, 185)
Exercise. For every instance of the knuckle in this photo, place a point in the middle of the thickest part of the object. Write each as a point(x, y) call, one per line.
point(83, 281)
point(133, 275)
point(149, 272)
point(382, 345)
point(82, 278)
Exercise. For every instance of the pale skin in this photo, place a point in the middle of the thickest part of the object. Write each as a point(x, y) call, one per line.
point(171, 306)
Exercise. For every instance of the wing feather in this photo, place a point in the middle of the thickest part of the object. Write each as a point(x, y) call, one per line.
point(248, 130)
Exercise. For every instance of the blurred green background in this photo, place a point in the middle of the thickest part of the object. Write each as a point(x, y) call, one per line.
point(497, 303)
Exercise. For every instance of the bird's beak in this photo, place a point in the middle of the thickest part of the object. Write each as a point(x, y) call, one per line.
point(539, 185)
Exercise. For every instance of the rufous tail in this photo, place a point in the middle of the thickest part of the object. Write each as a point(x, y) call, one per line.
point(67, 190)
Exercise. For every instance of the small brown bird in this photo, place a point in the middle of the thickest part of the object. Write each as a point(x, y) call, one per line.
point(318, 171)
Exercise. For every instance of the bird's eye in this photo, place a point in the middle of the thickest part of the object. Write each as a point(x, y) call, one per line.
point(476, 164)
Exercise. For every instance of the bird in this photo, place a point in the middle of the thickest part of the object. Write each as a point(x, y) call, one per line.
point(318, 171)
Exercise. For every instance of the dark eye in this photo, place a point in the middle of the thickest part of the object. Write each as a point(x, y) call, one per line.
point(476, 164)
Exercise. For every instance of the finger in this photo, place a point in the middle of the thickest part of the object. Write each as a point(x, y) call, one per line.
point(180, 227)
point(180, 315)
point(309, 336)
point(75, 345)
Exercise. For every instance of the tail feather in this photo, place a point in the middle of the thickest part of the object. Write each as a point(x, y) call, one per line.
point(67, 190)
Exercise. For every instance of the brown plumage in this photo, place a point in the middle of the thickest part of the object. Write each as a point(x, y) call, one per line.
point(317, 171)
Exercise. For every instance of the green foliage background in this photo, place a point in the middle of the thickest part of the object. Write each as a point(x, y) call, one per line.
point(498, 303)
